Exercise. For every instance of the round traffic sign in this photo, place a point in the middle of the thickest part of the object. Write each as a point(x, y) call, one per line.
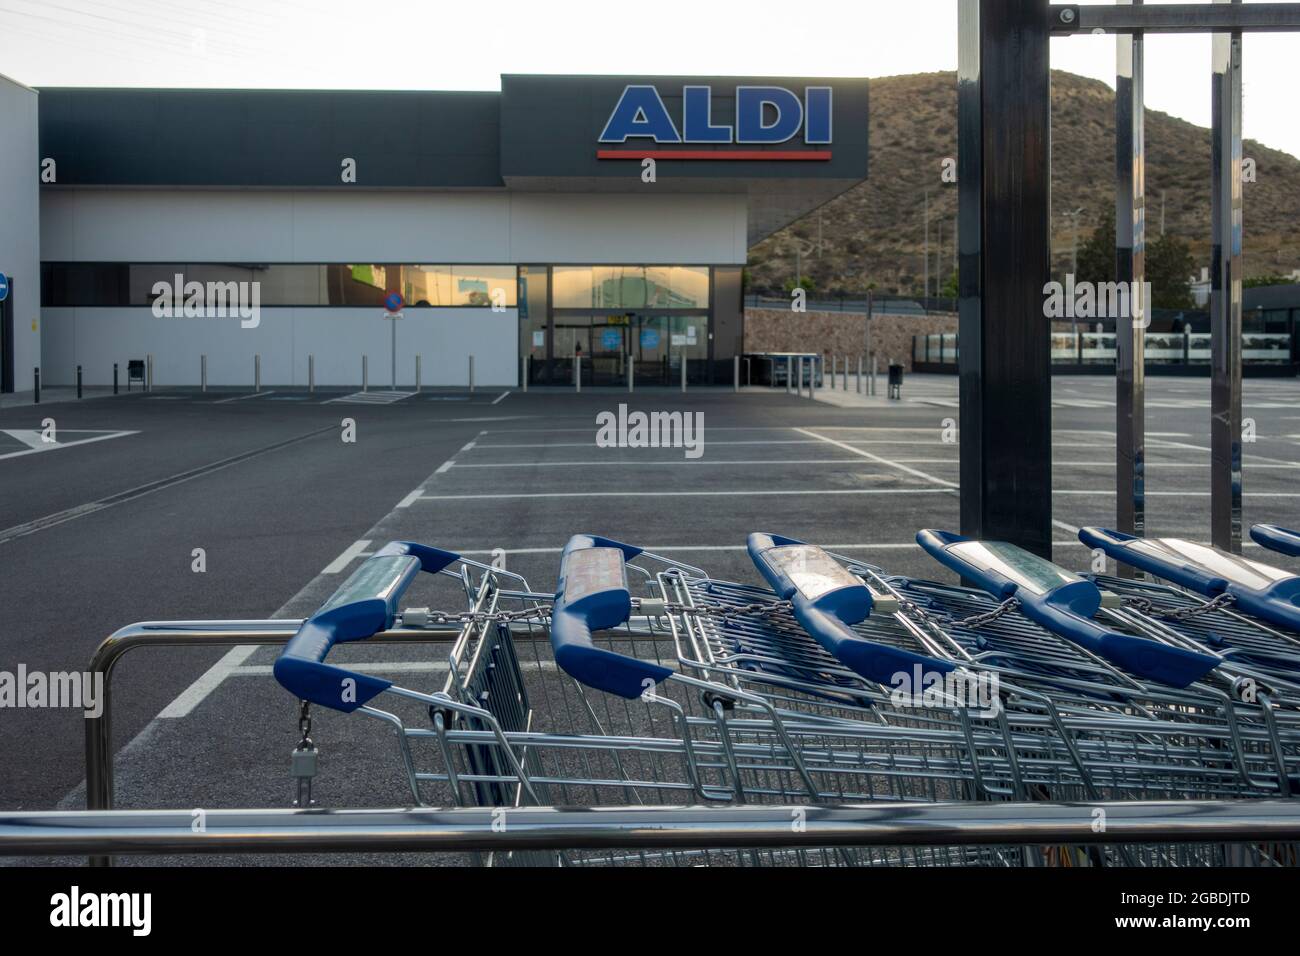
point(393, 302)
point(4, 287)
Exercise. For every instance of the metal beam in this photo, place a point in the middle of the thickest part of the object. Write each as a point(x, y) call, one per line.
point(80, 832)
point(1175, 18)
point(1225, 291)
point(1003, 130)
point(1130, 267)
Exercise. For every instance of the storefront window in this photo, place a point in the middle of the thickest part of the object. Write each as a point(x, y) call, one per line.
point(631, 287)
point(284, 284)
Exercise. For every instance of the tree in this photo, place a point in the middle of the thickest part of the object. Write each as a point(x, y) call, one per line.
point(1169, 270)
point(1169, 265)
point(1097, 254)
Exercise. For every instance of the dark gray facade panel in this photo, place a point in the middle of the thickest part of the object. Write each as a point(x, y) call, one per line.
point(551, 126)
point(271, 138)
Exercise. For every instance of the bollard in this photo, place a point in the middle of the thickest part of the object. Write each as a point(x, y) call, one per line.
point(873, 373)
point(78, 381)
point(257, 372)
point(528, 369)
point(417, 373)
point(471, 373)
point(858, 384)
point(365, 374)
point(835, 368)
point(577, 373)
point(789, 372)
point(311, 372)
point(844, 380)
point(631, 371)
point(683, 373)
point(203, 373)
point(148, 368)
point(798, 390)
point(736, 373)
point(36, 385)
point(114, 378)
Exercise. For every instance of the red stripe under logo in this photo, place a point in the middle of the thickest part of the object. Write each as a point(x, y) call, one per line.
point(722, 154)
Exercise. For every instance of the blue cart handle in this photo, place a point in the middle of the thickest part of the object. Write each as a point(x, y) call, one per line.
point(1062, 602)
point(827, 600)
point(1277, 539)
point(364, 605)
point(593, 595)
point(1257, 588)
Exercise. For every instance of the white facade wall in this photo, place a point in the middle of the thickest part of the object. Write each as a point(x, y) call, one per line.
point(20, 223)
point(499, 227)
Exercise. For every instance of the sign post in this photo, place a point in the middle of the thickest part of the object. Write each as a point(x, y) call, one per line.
point(393, 303)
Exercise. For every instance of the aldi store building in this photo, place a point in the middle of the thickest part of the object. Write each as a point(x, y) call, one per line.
point(525, 223)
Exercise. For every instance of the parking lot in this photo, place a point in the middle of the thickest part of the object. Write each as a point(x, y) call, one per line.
point(99, 529)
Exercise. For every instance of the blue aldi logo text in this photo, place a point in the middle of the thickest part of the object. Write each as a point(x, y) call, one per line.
point(765, 116)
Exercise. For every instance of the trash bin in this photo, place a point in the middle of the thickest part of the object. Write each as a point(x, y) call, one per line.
point(895, 381)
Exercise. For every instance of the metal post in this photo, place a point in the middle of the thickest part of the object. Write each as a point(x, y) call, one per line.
point(858, 384)
point(114, 378)
point(1130, 267)
point(683, 372)
point(417, 373)
point(739, 827)
point(1225, 293)
point(789, 372)
point(148, 367)
point(311, 372)
point(257, 372)
point(528, 369)
point(36, 385)
point(1003, 137)
point(577, 372)
point(78, 381)
point(471, 373)
point(631, 371)
point(365, 373)
point(99, 730)
point(873, 373)
point(203, 373)
point(735, 360)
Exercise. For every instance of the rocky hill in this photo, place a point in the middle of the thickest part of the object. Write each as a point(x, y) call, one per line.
point(875, 232)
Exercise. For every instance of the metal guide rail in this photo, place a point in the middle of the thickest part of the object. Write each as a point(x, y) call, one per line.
point(660, 685)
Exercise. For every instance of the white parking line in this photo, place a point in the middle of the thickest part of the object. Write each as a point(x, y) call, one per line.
point(592, 444)
point(240, 398)
point(208, 681)
point(500, 398)
point(350, 554)
point(639, 464)
point(743, 493)
point(881, 461)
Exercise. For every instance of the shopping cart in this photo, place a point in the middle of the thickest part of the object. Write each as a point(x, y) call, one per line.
point(698, 691)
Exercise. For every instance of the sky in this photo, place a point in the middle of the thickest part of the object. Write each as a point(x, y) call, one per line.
point(440, 45)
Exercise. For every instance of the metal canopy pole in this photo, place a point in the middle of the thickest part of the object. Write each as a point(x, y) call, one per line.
point(1175, 18)
point(1225, 293)
point(1003, 129)
point(1130, 267)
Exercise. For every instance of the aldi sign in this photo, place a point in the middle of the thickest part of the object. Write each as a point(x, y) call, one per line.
point(764, 117)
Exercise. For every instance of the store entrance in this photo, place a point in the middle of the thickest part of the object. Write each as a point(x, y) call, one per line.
point(602, 344)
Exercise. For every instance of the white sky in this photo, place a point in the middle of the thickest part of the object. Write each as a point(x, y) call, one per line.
point(468, 44)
